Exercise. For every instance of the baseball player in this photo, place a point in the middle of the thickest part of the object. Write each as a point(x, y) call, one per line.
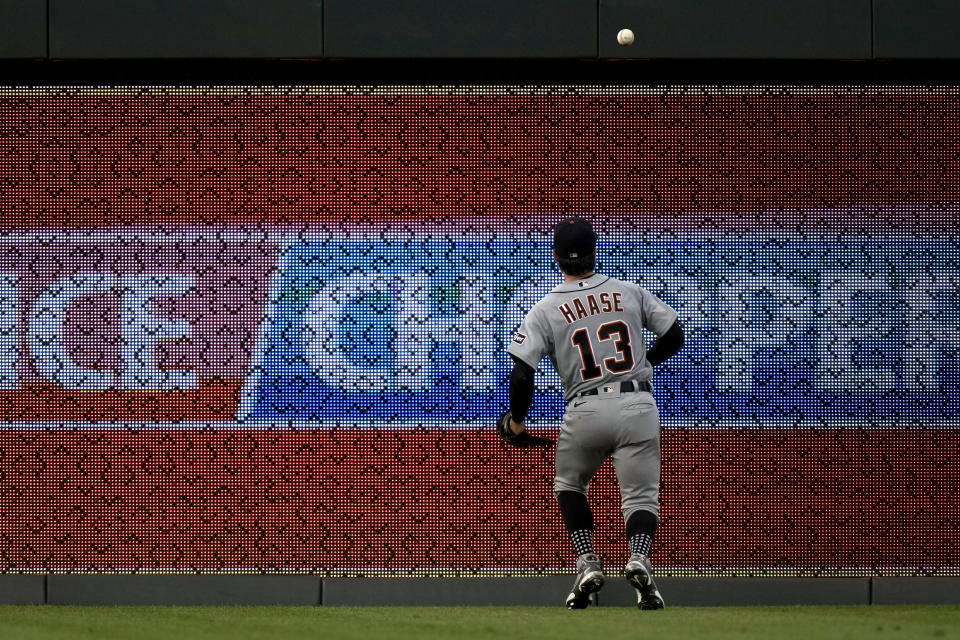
point(591, 326)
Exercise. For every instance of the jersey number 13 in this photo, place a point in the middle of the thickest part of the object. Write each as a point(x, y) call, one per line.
point(620, 363)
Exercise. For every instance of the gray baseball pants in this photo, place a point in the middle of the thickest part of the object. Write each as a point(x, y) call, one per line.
point(624, 427)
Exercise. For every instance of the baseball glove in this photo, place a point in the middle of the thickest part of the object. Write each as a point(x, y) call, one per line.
point(522, 439)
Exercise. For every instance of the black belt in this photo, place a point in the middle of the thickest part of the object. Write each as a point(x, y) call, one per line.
point(626, 386)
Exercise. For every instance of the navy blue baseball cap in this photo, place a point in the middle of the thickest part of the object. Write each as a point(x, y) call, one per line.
point(574, 238)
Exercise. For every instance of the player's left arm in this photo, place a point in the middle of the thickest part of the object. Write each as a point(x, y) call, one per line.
point(528, 347)
point(509, 428)
point(521, 393)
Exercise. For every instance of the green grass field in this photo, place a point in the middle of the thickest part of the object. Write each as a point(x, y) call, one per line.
point(289, 623)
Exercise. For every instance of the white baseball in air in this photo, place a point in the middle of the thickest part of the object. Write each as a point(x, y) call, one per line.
point(625, 37)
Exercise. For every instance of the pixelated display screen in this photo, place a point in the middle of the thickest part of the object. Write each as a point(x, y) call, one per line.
point(248, 329)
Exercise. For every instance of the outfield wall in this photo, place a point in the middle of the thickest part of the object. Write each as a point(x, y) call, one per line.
point(286, 590)
point(249, 330)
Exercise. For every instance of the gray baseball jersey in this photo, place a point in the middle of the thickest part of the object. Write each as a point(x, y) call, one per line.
point(592, 329)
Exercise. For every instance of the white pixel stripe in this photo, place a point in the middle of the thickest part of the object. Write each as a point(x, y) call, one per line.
point(445, 425)
point(865, 571)
point(425, 231)
point(548, 90)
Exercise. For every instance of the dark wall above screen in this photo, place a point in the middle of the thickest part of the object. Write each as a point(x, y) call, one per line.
point(525, 29)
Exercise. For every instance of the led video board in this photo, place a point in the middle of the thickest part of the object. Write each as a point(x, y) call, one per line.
point(248, 329)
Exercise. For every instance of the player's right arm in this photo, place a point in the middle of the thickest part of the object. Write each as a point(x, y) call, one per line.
point(666, 346)
point(662, 320)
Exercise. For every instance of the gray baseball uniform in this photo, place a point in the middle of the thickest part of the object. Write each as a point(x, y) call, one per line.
point(592, 329)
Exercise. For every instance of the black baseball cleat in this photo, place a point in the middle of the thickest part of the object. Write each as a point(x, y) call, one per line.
point(638, 575)
point(589, 580)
